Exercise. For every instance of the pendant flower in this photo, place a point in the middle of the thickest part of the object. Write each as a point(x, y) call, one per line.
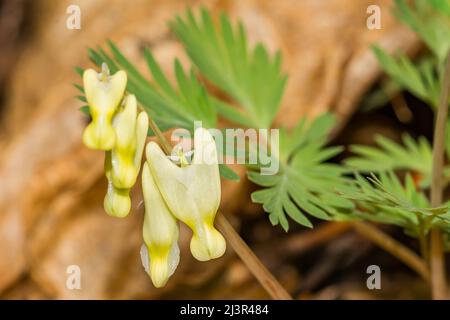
point(192, 192)
point(103, 94)
point(174, 187)
point(122, 163)
point(160, 254)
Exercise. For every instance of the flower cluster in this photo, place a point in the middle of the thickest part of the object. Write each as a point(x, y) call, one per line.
point(188, 192)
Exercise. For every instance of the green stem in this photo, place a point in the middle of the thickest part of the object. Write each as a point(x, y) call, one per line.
point(437, 263)
point(423, 241)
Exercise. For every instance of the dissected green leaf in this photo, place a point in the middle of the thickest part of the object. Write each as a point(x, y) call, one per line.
point(306, 184)
point(250, 76)
point(421, 80)
point(388, 155)
point(430, 20)
point(384, 199)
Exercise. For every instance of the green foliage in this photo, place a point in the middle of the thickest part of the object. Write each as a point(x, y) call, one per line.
point(441, 5)
point(388, 155)
point(430, 20)
point(249, 76)
point(305, 184)
point(85, 110)
point(227, 173)
point(384, 199)
point(420, 80)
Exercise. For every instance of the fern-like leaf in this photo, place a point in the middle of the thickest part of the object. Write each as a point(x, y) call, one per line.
point(388, 155)
point(306, 183)
point(250, 76)
point(384, 199)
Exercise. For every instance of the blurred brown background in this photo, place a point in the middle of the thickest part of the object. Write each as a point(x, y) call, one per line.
point(52, 188)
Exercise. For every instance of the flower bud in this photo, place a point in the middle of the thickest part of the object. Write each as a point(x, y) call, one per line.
point(160, 254)
point(192, 192)
point(103, 94)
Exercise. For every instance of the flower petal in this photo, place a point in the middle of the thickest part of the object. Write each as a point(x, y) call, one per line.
point(123, 162)
point(117, 202)
point(192, 192)
point(160, 233)
point(103, 94)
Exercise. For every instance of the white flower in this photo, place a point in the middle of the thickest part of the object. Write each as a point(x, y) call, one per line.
point(160, 254)
point(192, 192)
point(123, 162)
point(103, 94)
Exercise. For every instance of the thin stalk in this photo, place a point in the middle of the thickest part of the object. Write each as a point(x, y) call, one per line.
point(423, 241)
point(254, 265)
point(261, 273)
point(166, 146)
point(437, 263)
point(394, 247)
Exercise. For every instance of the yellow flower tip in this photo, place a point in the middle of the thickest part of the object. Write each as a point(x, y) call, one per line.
point(160, 254)
point(158, 273)
point(160, 262)
point(211, 246)
point(117, 202)
point(156, 268)
point(99, 136)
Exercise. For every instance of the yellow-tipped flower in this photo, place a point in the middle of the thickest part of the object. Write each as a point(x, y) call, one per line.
point(124, 171)
point(103, 94)
point(123, 162)
point(160, 254)
point(192, 192)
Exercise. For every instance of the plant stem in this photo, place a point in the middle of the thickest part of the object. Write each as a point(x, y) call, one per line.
point(265, 278)
point(254, 265)
point(166, 146)
point(394, 247)
point(437, 263)
point(423, 241)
